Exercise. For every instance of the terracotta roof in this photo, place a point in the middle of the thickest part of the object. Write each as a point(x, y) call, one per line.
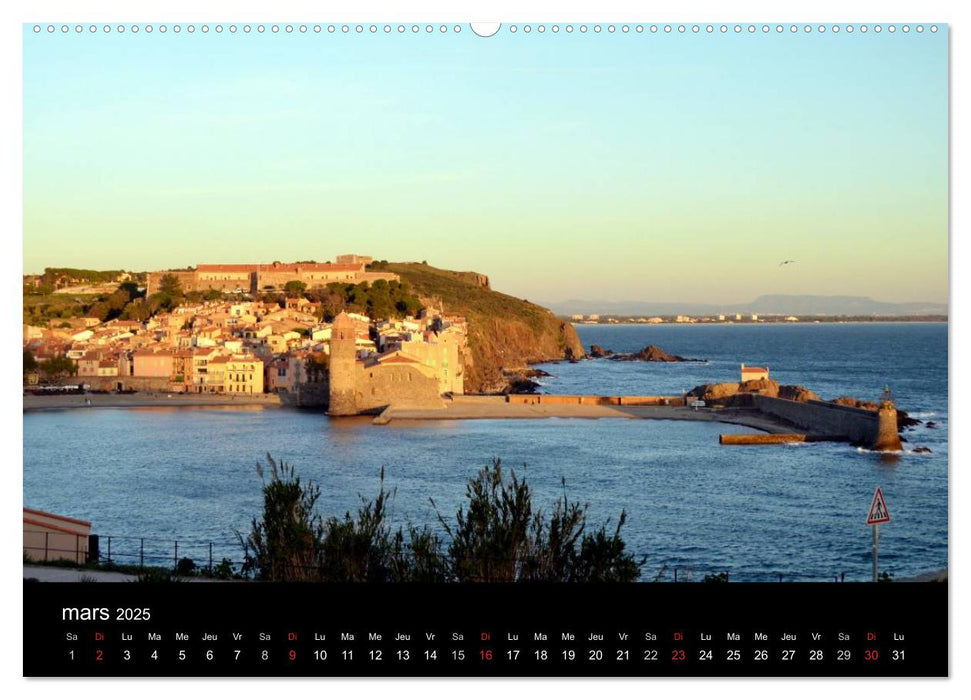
point(66, 519)
point(324, 267)
point(754, 369)
point(226, 268)
point(51, 526)
point(284, 267)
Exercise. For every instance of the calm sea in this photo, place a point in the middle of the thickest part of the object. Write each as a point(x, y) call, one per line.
point(188, 474)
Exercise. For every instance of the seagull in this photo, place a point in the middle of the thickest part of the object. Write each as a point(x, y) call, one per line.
point(786, 262)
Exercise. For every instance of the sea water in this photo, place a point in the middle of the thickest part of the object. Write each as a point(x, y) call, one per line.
point(150, 477)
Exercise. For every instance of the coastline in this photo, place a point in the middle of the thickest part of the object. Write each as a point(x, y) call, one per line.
point(500, 410)
point(145, 400)
point(899, 321)
point(480, 408)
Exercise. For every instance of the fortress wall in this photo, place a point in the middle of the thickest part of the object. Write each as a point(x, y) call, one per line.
point(574, 400)
point(157, 384)
point(600, 400)
point(153, 280)
point(522, 398)
point(549, 399)
point(400, 386)
point(477, 399)
point(307, 395)
point(819, 417)
point(651, 401)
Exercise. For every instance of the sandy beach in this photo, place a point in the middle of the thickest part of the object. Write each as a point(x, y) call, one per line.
point(485, 408)
point(500, 410)
point(142, 400)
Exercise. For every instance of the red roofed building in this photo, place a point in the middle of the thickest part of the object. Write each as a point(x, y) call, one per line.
point(49, 537)
point(256, 277)
point(754, 373)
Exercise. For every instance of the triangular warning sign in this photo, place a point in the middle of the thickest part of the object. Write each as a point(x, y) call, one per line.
point(878, 509)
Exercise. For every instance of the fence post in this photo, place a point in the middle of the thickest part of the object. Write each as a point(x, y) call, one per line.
point(109, 550)
point(141, 554)
point(210, 558)
point(47, 537)
point(176, 554)
point(77, 547)
point(675, 575)
point(780, 578)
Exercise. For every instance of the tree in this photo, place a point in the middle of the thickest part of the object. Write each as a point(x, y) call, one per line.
point(168, 296)
point(131, 289)
point(496, 537)
point(136, 310)
point(171, 286)
point(30, 364)
point(284, 544)
point(58, 366)
point(290, 542)
point(365, 549)
point(294, 289)
point(499, 538)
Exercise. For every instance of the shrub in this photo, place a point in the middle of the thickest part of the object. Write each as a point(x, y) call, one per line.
point(496, 537)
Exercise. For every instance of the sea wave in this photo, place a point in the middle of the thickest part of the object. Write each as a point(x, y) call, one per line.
point(904, 452)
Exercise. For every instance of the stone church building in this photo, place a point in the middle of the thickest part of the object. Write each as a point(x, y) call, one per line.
point(367, 386)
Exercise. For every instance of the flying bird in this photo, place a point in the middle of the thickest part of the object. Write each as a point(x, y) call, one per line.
point(786, 262)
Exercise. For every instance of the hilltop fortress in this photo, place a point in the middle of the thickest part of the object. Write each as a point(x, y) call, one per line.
point(253, 278)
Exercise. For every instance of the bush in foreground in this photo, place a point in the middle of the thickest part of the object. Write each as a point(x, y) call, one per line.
point(497, 536)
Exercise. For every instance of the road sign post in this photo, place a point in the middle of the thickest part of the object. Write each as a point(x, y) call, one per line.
point(878, 514)
point(876, 551)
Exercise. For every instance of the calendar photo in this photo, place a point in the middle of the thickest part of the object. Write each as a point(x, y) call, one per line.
point(521, 313)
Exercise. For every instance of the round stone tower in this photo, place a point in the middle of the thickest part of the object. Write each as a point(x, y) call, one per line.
point(887, 437)
point(342, 367)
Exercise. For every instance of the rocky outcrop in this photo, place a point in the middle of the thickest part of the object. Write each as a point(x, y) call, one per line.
point(855, 403)
point(597, 352)
point(732, 393)
point(522, 381)
point(651, 353)
point(714, 393)
point(797, 393)
point(521, 385)
point(533, 372)
point(903, 420)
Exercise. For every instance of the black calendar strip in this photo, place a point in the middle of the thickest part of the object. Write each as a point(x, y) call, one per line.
point(253, 629)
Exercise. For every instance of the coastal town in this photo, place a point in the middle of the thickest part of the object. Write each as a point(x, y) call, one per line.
point(240, 343)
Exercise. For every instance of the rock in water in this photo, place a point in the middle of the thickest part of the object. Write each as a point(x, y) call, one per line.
point(596, 351)
point(651, 353)
point(521, 385)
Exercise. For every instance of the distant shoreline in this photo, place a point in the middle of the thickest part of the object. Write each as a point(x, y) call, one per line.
point(145, 400)
point(756, 323)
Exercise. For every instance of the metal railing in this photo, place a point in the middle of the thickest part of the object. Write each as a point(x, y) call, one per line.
point(186, 555)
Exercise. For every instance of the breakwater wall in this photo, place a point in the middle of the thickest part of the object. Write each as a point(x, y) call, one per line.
point(572, 400)
point(874, 429)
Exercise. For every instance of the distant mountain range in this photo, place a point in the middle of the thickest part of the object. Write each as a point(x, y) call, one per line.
point(784, 304)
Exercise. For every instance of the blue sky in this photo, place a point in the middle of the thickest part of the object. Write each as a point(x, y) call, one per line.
point(669, 167)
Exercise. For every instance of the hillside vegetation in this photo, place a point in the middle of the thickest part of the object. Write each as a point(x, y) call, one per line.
point(505, 333)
